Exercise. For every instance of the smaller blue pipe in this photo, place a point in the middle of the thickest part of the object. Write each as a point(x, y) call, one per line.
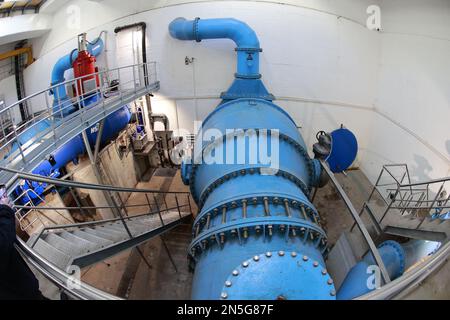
point(61, 100)
point(357, 280)
point(247, 42)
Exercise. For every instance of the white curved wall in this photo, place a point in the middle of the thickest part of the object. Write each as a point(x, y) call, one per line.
point(321, 62)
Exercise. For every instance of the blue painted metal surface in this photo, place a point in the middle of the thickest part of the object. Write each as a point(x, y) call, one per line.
point(71, 150)
point(247, 83)
point(61, 102)
point(257, 236)
point(360, 279)
point(272, 200)
point(344, 148)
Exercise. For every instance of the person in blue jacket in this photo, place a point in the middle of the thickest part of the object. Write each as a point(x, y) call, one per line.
point(17, 281)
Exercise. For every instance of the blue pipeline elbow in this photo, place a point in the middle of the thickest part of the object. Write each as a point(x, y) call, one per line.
point(362, 278)
point(248, 47)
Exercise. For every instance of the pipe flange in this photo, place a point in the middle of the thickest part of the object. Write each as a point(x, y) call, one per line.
point(196, 33)
point(260, 228)
point(249, 50)
point(400, 251)
point(296, 279)
point(259, 199)
point(248, 76)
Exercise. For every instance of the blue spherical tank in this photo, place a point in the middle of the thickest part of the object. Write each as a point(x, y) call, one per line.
point(257, 236)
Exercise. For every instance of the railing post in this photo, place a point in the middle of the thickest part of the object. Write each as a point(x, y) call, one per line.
point(165, 202)
point(50, 116)
point(390, 205)
point(431, 206)
point(149, 204)
point(99, 139)
point(79, 99)
point(178, 206)
point(56, 95)
point(376, 184)
point(16, 137)
point(159, 211)
point(189, 203)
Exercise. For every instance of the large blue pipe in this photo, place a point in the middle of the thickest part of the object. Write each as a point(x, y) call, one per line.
point(245, 38)
point(361, 279)
point(247, 83)
point(61, 102)
point(257, 236)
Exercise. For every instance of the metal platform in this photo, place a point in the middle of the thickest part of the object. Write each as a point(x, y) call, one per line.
point(399, 207)
point(26, 156)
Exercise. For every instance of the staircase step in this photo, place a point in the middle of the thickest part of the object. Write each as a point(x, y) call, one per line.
point(72, 249)
point(52, 254)
point(110, 234)
point(92, 238)
point(133, 228)
point(32, 239)
point(138, 228)
point(73, 238)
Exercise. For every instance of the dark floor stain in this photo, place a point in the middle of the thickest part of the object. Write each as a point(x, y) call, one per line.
point(165, 172)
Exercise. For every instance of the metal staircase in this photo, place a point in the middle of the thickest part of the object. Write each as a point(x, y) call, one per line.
point(413, 210)
point(55, 250)
point(85, 244)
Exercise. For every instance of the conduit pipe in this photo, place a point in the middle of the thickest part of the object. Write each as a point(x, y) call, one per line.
point(248, 50)
point(143, 27)
point(247, 42)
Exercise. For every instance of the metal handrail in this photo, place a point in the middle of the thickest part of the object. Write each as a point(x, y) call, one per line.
point(81, 185)
point(60, 278)
point(358, 221)
point(94, 223)
point(71, 81)
point(55, 113)
point(23, 217)
point(440, 180)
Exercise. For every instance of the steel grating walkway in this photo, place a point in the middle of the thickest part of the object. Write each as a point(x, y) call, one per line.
point(65, 130)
